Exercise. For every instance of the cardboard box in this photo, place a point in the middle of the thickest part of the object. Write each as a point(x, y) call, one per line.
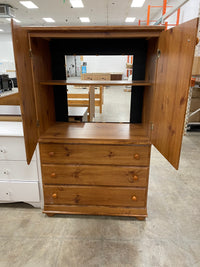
point(195, 104)
point(196, 92)
point(196, 66)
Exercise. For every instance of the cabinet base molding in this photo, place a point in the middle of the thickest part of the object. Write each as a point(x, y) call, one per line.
point(139, 213)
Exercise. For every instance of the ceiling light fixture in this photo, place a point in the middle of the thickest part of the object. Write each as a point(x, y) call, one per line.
point(49, 20)
point(137, 3)
point(28, 4)
point(16, 20)
point(84, 19)
point(1, 30)
point(130, 19)
point(76, 3)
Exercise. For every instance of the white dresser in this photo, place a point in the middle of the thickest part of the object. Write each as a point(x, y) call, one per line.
point(19, 182)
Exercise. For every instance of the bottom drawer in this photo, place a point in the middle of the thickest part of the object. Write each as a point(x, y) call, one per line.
point(19, 191)
point(95, 195)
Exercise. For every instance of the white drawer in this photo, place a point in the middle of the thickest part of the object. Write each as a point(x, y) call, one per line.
point(19, 191)
point(12, 148)
point(18, 170)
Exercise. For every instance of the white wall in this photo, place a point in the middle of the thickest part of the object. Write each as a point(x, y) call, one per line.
point(6, 54)
point(106, 63)
point(187, 12)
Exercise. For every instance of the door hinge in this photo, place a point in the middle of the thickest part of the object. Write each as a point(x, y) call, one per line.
point(38, 123)
point(30, 53)
point(152, 126)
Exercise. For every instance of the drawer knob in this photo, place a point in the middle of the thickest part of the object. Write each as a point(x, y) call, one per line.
point(136, 156)
point(53, 175)
point(134, 198)
point(51, 154)
point(135, 177)
point(54, 195)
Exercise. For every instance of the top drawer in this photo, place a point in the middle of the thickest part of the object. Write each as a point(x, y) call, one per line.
point(137, 155)
point(12, 148)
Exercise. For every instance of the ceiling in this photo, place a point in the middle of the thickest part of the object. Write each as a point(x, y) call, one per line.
point(102, 12)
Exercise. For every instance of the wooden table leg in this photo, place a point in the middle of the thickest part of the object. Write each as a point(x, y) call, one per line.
point(92, 102)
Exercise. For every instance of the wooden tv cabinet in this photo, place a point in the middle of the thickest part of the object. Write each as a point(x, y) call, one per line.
point(103, 171)
point(102, 168)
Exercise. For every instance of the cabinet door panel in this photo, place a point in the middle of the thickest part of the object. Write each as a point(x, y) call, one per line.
point(171, 91)
point(26, 90)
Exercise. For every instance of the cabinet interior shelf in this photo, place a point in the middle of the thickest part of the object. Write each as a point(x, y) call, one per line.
point(99, 83)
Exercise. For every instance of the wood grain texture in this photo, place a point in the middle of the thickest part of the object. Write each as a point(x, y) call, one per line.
point(95, 195)
point(95, 210)
point(95, 154)
point(150, 75)
point(98, 83)
point(26, 90)
point(96, 32)
point(12, 99)
point(96, 133)
point(95, 175)
point(172, 85)
point(41, 69)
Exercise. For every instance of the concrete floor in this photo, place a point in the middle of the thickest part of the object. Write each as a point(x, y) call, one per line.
point(170, 236)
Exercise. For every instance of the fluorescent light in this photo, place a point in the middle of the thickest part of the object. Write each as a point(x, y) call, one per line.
point(16, 20)
point(137, 3)
point(76, 3)
point(28, 4)
point(49, 19)
point(1, 30)
point(84, 19)
point(130, 19)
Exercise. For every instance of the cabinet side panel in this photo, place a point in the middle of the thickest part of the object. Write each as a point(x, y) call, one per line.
point(26, 90)
point(41, 68)
point(151, 64)
point(172, 84)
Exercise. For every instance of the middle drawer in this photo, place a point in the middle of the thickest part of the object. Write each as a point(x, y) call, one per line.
point(95, 175)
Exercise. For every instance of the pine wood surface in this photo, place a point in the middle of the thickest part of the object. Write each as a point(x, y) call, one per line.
point(95, 175)
point(12, 99)
point(95, 210)
point(26, 88)
point(96, 32)
point(102, 133)
point(172, 84)
point(95, 154)
point(95, 195)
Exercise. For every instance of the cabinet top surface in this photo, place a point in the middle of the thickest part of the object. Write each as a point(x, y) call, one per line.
point(96, 133)
point(8, 128)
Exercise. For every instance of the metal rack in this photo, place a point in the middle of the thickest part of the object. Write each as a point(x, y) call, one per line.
point(190, 125)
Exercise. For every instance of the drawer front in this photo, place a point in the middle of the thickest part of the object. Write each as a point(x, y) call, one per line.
point(94, 195)
point(12, 148)
point(87, 76)
point(95, 154)
point(95, 175)
point(18, 170)
point(103, 77)
point(19, 191)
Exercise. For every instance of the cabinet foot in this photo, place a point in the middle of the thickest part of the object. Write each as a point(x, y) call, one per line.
point(50, 214)
point(140, 218)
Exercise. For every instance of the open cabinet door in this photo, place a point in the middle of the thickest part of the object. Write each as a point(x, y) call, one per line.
point(175, 57)
point(26, 90)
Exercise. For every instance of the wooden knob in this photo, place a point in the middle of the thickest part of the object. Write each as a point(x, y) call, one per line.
point(53, 175)
point(135, 177)
point(137, 156)
point(134, 198)
point(54, 195)
point(51, 154)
